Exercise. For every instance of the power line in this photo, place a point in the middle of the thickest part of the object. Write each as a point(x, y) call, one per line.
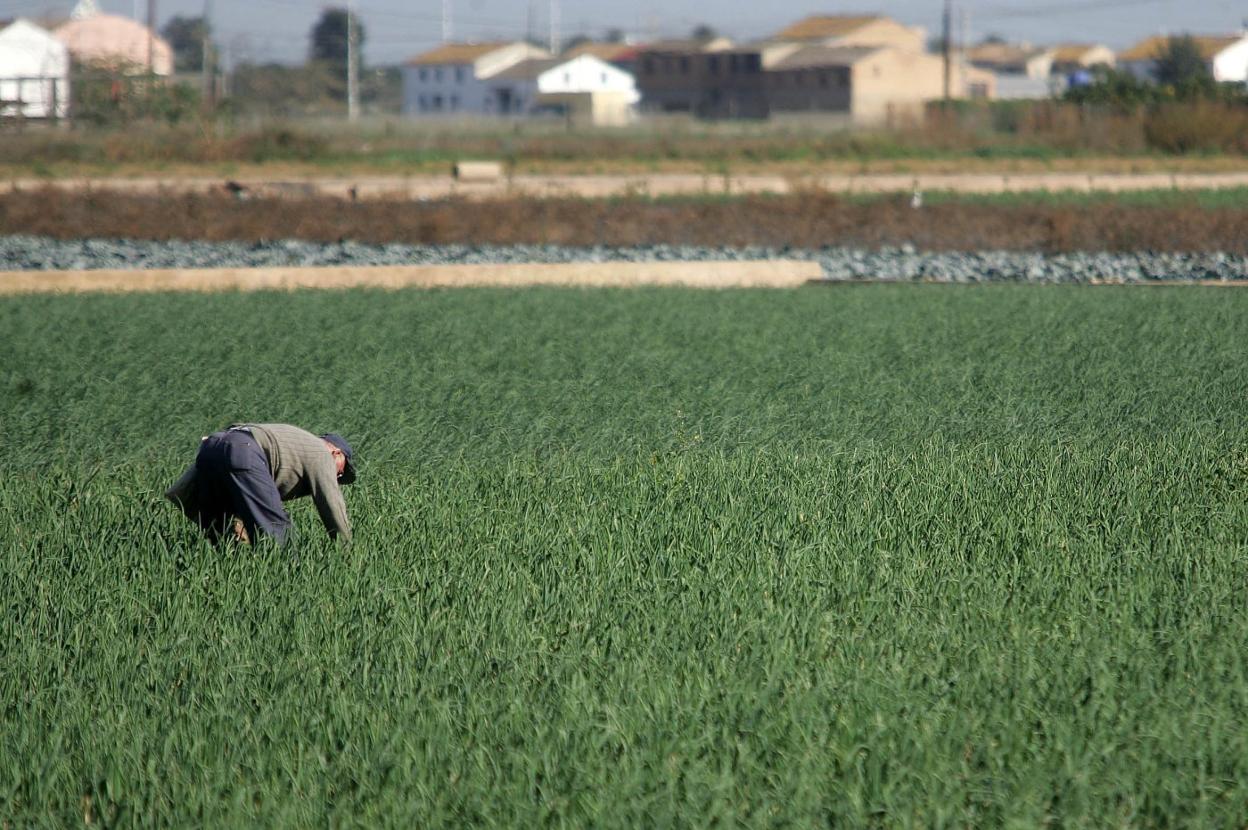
point(1002, 12)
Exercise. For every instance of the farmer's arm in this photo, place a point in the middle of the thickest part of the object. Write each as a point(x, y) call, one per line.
point(327, 495)
point(182, 492)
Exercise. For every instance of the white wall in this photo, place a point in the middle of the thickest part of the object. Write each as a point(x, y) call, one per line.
point(586, 73)
point(34, 68)
point(1231, 64)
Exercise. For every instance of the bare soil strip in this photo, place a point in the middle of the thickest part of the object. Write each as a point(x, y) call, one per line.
point(807, 221)
point(613, 186)
point(769, 274)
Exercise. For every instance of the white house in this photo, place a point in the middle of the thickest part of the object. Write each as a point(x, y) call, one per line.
point(1226, 56)
point(452, 79)
point(34, 72)
point(584, 88)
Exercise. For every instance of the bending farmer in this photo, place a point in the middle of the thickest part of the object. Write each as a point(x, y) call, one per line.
point(242, 475)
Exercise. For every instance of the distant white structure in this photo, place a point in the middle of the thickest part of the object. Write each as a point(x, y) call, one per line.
point(452, 79)
point(584, 88)
point(34, 72)
point(1225, 55)
point(109, 39)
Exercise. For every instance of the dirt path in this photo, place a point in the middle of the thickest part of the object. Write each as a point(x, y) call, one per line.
point(735, 274)
point(603, 186)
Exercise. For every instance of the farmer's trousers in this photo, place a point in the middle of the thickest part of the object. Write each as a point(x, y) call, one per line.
point(233, 479)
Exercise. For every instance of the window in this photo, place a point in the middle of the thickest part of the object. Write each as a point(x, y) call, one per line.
point(459, 74)
point(734, 65)
point(422, 103)
point(454, 102)
point(753, 63)
point(647, 65)
point(603, 77)
point(437, 74)
point(424, 74)
point(684, 65)
point(567, 78)
point(712, 64)
point(437, 103)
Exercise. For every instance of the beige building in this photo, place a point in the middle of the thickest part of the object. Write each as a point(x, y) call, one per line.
point(874, 86)
point(1072, 57)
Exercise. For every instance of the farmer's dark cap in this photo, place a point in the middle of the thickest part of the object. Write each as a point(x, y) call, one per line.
point(348, 472)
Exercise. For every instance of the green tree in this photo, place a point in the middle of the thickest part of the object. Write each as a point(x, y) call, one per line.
point(1181, 64)
point(703, 32)
point(186, 36)
point(329, 38)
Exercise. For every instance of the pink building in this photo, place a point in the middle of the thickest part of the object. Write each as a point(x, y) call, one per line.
point(96, 37)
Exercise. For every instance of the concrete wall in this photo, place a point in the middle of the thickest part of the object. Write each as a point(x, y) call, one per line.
point(723, 84)
point(813, 89)
point(593, 109)
point(892, 85)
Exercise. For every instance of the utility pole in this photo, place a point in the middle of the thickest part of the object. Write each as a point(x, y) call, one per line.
point(206, 63)
point(554, 27)
point(151, 37)
point(353, 92)
point(946, 48)
point(964, 78)
point(446, 21)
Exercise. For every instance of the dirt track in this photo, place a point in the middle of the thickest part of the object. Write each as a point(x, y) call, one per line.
point(604, 186)
point(770, 274)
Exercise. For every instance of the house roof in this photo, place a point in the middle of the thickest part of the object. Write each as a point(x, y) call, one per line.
point(822, 27)
point(1003, 54)
point(527, 70)
point(810, 57)
point(717, 44)
point(1151, 48)
point(452, 53)
point(1071, 52)
point(603, 51)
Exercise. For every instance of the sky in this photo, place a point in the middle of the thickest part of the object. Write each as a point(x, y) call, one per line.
point(277, 30)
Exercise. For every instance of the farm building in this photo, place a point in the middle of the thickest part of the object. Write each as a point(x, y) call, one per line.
point(104, 39)
point(453, 79)
point(585, 89)
point(34, 72)
point(870, 85)
point(1225, 55)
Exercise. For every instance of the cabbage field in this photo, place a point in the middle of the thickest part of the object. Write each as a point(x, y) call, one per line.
point(876, 555)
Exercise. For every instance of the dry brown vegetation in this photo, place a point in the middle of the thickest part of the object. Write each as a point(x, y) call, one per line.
point(804, 220)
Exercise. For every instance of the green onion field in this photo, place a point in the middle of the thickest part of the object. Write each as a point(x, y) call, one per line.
point(894, 556)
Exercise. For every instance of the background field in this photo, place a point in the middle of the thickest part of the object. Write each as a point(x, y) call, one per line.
point(1144, 221)
point(862, 555)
